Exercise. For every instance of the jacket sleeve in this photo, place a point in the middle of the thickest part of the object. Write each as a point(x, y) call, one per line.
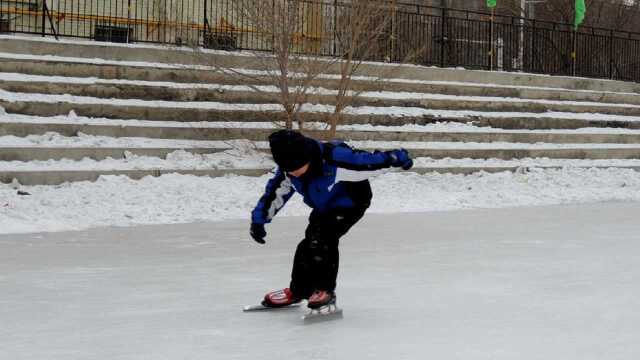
point(356, 165)
point(277, 192)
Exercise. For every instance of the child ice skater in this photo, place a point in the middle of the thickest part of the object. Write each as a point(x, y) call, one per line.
point(333, 180)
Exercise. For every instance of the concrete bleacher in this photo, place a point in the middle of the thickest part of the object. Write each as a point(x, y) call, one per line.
point(523, 115)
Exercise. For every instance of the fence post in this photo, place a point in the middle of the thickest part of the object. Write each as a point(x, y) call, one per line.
point(443, 27)
point(531, 48)
point(574, 54)
point(206, 20)
point(520, 65)
point(44, 20)
point(392, 42)
point(335, 26)
point(128, 21)
point(611, 54)
point(491, 40)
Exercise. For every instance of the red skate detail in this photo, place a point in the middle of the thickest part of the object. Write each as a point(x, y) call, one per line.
point(279, 298)
point(321, 298)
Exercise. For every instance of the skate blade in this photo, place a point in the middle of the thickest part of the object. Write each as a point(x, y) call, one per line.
point(324, 313)
point(260, 307)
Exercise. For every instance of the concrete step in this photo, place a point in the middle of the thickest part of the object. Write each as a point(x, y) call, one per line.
point(142, 92)
point(93, 50)
point(114, 88)
point(235, 95)
point(23, 129)
point(56, 177)
point(95, 153)
point(526, 121)
point(454, 151)
point(66, 68)
point(508, 154)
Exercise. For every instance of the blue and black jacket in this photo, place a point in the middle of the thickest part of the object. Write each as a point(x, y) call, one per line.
point(337, 178)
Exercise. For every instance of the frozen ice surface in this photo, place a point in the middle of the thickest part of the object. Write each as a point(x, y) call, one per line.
point(556, 282)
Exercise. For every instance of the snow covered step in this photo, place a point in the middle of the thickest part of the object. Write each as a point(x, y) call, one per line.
point(52, 65)
point(604, 152)
point(507, 153)
point(77, 153)
point(160, 130)
point(92, 91)
point(53, 146)
point(56, 177)
point(136, 89)
point(51, 105)
point(425, 162)
point(453, 132)
point(388, 93)
point(243, 159)
point(457, 150)
point(28, 124)
point(153, 57)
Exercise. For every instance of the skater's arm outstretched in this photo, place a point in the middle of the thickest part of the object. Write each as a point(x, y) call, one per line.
point(358, 165)
point(277, 192)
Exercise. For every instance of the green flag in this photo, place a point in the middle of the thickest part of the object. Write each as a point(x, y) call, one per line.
point(491, 3)
point(581, 10)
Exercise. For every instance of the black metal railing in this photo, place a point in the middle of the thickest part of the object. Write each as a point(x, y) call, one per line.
point(415, 33)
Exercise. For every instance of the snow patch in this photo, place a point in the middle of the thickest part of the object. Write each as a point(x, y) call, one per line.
point(120, 201)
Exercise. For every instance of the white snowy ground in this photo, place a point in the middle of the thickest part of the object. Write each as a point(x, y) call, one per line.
point(533, 283)
point(173, 198)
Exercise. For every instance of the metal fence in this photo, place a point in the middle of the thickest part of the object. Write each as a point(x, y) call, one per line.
point(417, 34)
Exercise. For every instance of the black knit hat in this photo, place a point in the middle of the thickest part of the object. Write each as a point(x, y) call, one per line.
point(290, 149)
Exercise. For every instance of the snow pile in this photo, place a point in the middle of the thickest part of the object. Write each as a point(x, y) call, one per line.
point(120, 201)
point(523, 162)
point(54, 139)
point(235, 158)
point(243, 155)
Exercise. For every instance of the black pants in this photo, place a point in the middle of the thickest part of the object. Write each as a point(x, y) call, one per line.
point(315, 265)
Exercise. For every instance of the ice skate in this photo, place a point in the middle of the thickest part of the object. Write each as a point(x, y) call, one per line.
point(277, 299)
point(322, 305)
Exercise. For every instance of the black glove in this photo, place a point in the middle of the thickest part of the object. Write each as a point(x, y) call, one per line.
point(400, 158)
point(258, 233)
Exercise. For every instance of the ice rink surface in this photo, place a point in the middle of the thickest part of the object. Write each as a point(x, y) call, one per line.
point(558, 282)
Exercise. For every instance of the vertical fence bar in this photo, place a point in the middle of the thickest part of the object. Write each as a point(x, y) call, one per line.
point(443, 36)
point(335, 28)
point(532, 46)
point(573, 54)
point(491, 38)
point(611, 52)
point(92, 20)
point(521, 44)
point(44, 20)
point(205, 35)
point(128, 21)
